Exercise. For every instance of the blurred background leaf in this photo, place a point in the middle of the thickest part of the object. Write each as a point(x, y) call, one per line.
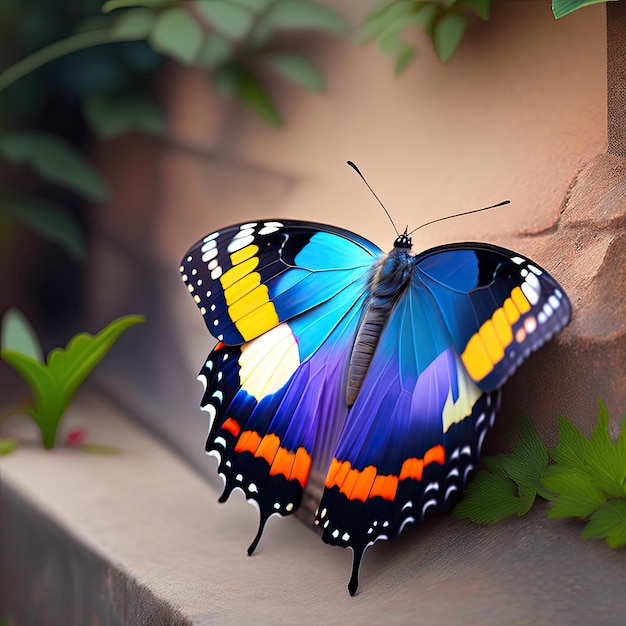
point(445, 23)
point(61, 90)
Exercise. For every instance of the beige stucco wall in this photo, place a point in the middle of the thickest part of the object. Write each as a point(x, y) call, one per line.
point(516, 113)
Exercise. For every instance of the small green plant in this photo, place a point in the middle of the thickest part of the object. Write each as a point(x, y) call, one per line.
point(583, 478)
point(54, 382)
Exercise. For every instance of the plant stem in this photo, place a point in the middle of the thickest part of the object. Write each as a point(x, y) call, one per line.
point(56, 50)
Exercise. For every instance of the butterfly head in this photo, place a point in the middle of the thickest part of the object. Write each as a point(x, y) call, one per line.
point(403, 241)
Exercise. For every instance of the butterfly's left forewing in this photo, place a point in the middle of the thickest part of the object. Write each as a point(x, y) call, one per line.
point(284, 298)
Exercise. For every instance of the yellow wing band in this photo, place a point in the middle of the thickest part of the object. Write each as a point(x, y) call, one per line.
point(486, 347)
point(248, 300)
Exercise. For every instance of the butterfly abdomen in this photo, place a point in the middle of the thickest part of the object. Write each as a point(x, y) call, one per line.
point(391, 277)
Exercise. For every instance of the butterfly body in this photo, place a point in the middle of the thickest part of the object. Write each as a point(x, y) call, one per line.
point(380, 372)
point(391, 277)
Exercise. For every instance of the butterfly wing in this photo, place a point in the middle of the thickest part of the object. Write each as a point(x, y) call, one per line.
point(248, 278)
point(284, 298)
point(416, 428)
point(497, 305)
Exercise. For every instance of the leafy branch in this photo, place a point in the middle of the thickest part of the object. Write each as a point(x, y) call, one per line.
point(55, 380)
point(443, 21)
point(586, 480)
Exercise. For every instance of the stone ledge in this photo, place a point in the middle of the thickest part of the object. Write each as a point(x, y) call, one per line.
point(138, 538)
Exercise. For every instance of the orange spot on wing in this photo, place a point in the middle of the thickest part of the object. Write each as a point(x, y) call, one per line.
point(437, 454)
point(268, 448)
point(385, 487)
point(349, 482)
point(231, 426)
point(332, 472)
point(248, 442)
point(301, 467)
point(283, 463)
point(363, 486)
point(412, 468)
point(340, 475)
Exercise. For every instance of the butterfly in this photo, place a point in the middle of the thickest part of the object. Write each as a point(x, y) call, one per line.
point(380, 371)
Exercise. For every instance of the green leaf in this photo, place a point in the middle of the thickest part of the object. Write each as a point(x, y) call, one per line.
point(513, 468)
point(254, 95)
point(608, 522)
point(390, 18)
point(133, 24)
point(572, 446)
point(530, 452)
point(113, 116)
point(49, 221)
point(403, 57)
point(481, 8)
point(18, 335)
point(295, 68)
point(55, 160)
point(447, 35)
point(7, 446)
point(563, 7)
point(215, 51)
point(401, 52)
point(490, 498)
point(297, 14)
point(71, 366)
point(176, 34)
point(236, 80)
point(226, 80)
point(53, 385)
point(47, 407)
point(231, 20)
point(578, 496)
point(605, 463)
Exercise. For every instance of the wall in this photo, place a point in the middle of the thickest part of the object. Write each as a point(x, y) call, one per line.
point(517, 113)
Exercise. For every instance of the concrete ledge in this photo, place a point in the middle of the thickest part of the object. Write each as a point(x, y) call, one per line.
point(138, 538)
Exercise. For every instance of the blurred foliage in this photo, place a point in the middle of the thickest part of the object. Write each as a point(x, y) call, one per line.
point(42, 107)
point(444, 21)
point(89, 88)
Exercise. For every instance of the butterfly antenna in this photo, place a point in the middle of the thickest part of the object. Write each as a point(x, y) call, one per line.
point(449, 217)
point(358, 171)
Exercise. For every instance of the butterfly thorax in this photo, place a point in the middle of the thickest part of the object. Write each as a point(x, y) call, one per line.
point(389, 279)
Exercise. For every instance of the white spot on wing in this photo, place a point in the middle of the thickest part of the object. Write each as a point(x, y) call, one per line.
point(531, 294)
